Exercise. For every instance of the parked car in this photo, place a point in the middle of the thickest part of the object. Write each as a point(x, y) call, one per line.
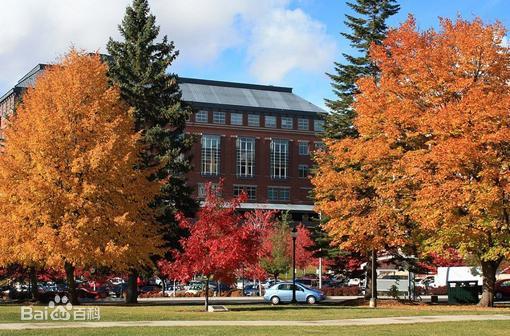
point(86, 293)
point(268, 284)
point(282, 292)
point(116, 281)
point(247, 282)
point(354, 282)
point(427, 282)
point(251, 290)
point(118, 290)
point(149, 289)
point(502, 289)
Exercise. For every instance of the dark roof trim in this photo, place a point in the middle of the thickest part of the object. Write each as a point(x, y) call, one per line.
point(15, 90)
point(234, 84)
point(242, 108)
point(37, 68)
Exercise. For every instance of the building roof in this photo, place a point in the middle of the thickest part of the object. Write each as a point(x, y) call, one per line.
point(29, 79)
point(219, 94)
point(229, 94)
point(26, 81)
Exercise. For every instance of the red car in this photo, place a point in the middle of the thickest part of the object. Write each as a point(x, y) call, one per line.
point(502, 289)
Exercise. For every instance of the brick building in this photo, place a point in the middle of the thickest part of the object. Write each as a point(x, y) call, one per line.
point(12, 97)
point(257, 138)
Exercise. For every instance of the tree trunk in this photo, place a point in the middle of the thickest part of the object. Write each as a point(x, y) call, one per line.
point(370, 278)
point(163, 286)
point(71, 284)
point(489, 269)
point(207, 294)
point(275, 277)
point(132, 287)
point(33, 284)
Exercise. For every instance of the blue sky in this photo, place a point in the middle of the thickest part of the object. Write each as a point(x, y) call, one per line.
point(279, 42)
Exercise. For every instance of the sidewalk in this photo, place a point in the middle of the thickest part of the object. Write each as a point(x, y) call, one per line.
point(339, 323)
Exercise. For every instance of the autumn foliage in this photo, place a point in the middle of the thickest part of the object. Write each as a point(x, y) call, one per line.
point(431, 164)
point(68, 193)
point(221, 240)
point(304, 243)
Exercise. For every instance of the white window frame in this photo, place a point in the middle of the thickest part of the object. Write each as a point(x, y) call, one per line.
point(318, 125)
point(282, 194)
point(245, 157)
point(303, 124)
point(303, 168)
point(234, 119)
point(202, 116)
point(303, 148)
point(287, 122)
point(218, 117)
point(250, 190)
point(251, 120)
point(279, 158)
point(270, 125)
point(210, 155)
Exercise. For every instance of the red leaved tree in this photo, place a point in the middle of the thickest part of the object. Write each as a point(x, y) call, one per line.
point(220, 242)
point(263, 221)
point(304, 255)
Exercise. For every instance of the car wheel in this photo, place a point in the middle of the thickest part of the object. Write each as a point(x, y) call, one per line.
point(311, 299)
point(498, 296)
point(275, 300)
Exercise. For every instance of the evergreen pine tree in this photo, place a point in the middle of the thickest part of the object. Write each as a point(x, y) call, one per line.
point(366, 28)
point(139, 64)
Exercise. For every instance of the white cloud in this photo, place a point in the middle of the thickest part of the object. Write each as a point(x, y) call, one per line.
point(277, 40)
point(34, 31)
point(505, 42)
point(286, 40)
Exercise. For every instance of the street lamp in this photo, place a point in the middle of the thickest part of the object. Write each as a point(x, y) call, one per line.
point(293, 234)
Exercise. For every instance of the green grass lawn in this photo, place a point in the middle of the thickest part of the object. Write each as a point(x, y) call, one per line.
point(263, 312)
point(478, 328)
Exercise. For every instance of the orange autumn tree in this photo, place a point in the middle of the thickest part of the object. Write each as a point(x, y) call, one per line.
point(457, 96)
point(69, 197)
point(441, 112)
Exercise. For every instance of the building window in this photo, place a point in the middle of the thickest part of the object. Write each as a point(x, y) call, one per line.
point(210, 155)
point(202, 116)
point(303, 171)
point(218, 117)
point(236, 118)
point(303, 147)
point(318, 125)
point(279, 158)
point(319, 145)
point(245, 166)
point(201, 190)
point(270, 121)
point(278, 194)
point(303, 124)
point(250, 191)
point(287, 123)
point(253, 120)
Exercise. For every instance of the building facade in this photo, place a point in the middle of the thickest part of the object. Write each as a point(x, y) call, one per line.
point(255, 138)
